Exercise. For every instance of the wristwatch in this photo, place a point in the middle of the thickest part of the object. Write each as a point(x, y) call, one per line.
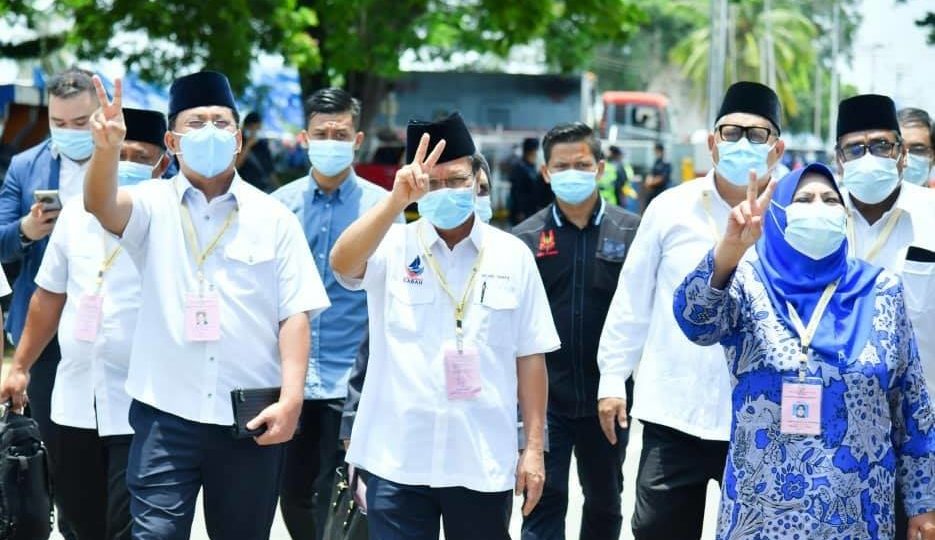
point(23, 239)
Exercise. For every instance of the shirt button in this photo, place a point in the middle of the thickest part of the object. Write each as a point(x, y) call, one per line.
point(321, 255)
point(211, 359)
point(207, 218)
point(323, 229)
point(210, 395)
point(328, 205)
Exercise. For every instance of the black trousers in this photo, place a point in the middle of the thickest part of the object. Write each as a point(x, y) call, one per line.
point(671, 484)
point(41, 382)
point(91, 482)
point(600, 471)
point(403, 512)
point(308, 473)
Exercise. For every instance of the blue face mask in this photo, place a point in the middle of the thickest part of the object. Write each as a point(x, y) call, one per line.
point(330, 157)
point(815, 230)
point(918, 170)
point(735, 159)
point(483, 208)
point(871, 179)
point(130, 173)
point(208, 151)
point(573, 186)
point(447, 208)
point(75, 144)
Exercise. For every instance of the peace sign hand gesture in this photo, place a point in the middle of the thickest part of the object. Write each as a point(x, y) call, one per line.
point(412, 181)
point(745, 223)
point(108, 128)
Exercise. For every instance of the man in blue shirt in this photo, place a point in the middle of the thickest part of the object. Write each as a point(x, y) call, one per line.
point(327, 200)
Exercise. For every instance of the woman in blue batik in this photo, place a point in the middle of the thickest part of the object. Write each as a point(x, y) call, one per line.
point(819, 439)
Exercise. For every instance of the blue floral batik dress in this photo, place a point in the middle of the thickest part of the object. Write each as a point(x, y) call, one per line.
point(878, 428)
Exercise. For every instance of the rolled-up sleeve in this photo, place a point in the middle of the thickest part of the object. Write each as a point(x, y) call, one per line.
point(136, 233)
point(300, 286)
point(537, 334)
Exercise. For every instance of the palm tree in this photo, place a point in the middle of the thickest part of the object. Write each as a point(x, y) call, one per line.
point(794, 50)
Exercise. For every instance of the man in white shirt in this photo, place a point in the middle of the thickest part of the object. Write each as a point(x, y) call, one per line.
point(89, 292)
point(206, 241)
point(459, 324)
point(890, 221)
point(682, 392)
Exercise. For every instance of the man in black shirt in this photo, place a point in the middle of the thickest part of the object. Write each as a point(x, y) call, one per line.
point(580, 243)
point(659, 179)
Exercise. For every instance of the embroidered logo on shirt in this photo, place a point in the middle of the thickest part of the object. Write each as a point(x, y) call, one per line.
point(414, 271)
point(547, 244)
point(613, 249)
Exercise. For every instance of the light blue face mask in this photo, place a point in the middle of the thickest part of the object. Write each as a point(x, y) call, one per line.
point(735, 159)
point(208, 151)
point(131, 173)
point(573, 186)
point(483, 208)
point(75, 144)
point(447, 208)
point(815, 230)
point(330, 157)
point(918, 170)
point(871, 179)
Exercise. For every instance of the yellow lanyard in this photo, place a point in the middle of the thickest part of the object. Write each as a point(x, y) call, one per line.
point(888, 228)
point(106, 264)
point(807, 333)
point(706, 203)
point(460, 307)
point(202, 255)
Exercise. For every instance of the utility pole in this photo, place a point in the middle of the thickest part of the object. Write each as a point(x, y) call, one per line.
point(770, 49)
point(835, 51)
point(717, 51)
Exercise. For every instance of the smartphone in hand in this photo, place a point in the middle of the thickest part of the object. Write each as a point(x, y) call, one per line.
point(48, 198)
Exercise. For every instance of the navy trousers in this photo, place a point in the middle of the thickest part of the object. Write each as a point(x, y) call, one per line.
point(171, 459)
point(402, 512)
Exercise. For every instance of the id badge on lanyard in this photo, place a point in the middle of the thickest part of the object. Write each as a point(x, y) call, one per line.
point(91, 306)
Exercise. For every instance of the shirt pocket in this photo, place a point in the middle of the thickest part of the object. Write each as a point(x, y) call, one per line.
point(919, 284)
point(497, 307)
point(606, 272)
point(411, 308)
point(251, 266)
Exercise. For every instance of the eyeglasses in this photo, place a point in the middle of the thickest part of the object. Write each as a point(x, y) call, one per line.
point(195, 123)
point(921, 150)
point(879, 148)
point(754, 134)
point(452, 182)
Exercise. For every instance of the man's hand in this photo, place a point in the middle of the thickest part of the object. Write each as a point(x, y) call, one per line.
point(530, 478)
point(745, 223)
point(38, 223)
point(108, 128)
point(412, 181)
point(922, 527)
point(14, 388)
point(281, 419)
point(612, 411)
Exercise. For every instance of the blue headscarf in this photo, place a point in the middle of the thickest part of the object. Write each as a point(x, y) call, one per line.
point(789, 275)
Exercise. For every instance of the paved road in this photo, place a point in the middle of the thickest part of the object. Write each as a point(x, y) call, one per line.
point(574, 510)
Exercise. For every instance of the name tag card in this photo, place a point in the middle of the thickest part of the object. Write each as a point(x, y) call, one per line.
point(801, 406)
point(462, 372)
point(202, 317)
point(88, 321)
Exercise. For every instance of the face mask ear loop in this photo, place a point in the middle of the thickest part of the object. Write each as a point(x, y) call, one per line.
point(773, 214)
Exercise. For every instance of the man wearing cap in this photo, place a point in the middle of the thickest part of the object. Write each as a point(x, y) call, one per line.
point(326, 201)
point(206, 241)
point(527, 192)
point(682, 393)
point(919, 137)
point(890, 220)
point(459, 324)
point(89, 292)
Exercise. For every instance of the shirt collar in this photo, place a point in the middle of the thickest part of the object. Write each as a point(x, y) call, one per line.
point(345, 189)
point(430, 235)
point(596, 218)
point(237, 189)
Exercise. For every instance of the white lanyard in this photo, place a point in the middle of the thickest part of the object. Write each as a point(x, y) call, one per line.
point(807, 333)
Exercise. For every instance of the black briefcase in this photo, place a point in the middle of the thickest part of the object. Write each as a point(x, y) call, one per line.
point(347, 519)
point(25, 480)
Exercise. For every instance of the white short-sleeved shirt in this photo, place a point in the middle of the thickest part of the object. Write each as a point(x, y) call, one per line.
point(89, 388)
point(407, 430)
point(916, 227)
point(262, 272)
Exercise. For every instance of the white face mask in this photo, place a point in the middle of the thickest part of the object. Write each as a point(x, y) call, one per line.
point(815, 230)
point(918, 170)
point(871, 179)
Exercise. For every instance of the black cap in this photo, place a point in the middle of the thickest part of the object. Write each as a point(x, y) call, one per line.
point(866, 112)
point(530, 145)
point(145, 126)
point(201, 89)
point(458, 141)
point(752, 98)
